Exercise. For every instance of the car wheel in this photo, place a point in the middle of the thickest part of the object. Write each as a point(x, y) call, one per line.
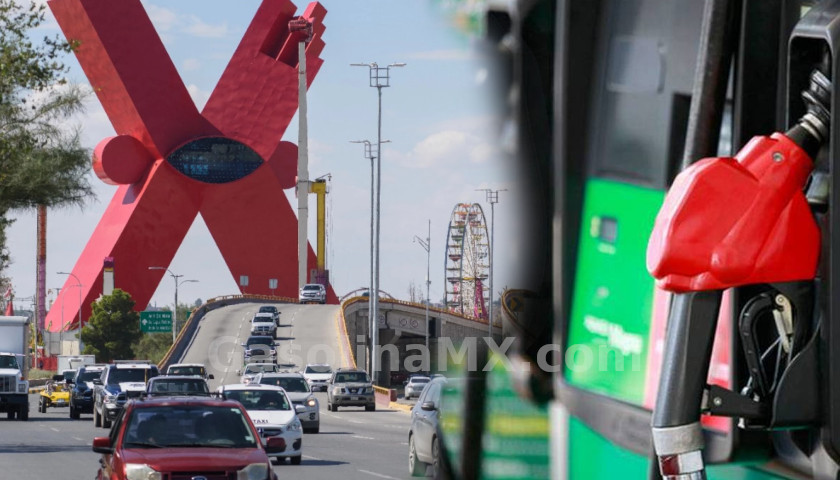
point(105, 422)
point(370, 408)
point(41, 407)
point(312, 430)
point(10, 415)
point(295, 460)
point(415, 467)
point(74, 413)
point(97, 418)
point(277, 460)
point(23, 414)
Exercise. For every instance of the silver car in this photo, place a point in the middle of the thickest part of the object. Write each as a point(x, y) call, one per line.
point(415, 385)
point(251, 370)
point(313, 292)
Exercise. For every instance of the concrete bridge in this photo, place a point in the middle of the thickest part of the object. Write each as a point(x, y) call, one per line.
point(402, 330)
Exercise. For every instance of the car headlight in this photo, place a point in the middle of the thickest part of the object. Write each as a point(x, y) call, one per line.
point(141, 471)
point(310, 401)
point(369, 390)
point(254, 471)
point(294, 426)
point(336, 390)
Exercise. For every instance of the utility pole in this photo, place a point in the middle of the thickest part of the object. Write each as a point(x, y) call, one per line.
point(426, 244)
point(304, 28)
point(174, 310)
point(379, 78)
point(493, 199)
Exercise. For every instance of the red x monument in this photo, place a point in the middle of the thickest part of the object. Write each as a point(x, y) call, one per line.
point(172, 162)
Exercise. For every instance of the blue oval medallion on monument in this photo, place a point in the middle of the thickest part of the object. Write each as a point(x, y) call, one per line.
point(215, 160)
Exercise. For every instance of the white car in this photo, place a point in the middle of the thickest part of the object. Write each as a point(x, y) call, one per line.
point(298, 391)
point(263, 324)
point(273, 414)
point(191, 369)
point(318, 375)
point(313, 292)
point(415, 385)
point(251, 370)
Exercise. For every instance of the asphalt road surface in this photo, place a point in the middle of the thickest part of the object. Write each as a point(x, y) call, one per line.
point(352, 444)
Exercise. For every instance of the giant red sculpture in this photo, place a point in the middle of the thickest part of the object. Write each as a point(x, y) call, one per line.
point(172, 162)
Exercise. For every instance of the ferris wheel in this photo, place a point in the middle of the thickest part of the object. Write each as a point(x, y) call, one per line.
point(467, 255)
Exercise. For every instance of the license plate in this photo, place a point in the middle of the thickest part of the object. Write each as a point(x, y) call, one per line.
point(357, 398)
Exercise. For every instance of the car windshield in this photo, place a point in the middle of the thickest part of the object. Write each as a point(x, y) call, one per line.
point(188, 426)
point(122, 375)
point(179, 387)
point(268, 309)
point(186, 371)
point(69, 375)
point(266, 341)
point(259, 399)
point(420, 380)
point(8, 361)
point(351, 377)
point(257, 368)
point(312, 287)
point(88, 376)
point(289, 384)
point(318, 369)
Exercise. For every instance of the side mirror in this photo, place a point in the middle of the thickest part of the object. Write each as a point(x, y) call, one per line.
point(300, 409)
point(275, 445)
point(428, 406)
point(97, 381)
point(102, 445)
point(241, 344)
point(211, 377)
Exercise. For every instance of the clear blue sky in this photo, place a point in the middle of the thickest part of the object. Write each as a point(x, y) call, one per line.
point(440, 115)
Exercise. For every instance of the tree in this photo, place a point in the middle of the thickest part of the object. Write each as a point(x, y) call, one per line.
point(153, 346)
point(41, 162)
point(113, 329)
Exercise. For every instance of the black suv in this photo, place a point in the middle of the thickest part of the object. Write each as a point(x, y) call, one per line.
point(350, 387)
point(259, 348)
point(81, 395)
point(117, 383)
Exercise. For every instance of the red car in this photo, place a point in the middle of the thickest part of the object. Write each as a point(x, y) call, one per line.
point(185, 438)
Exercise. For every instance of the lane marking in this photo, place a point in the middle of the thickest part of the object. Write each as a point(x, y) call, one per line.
point(378, 475)
point(79, 439)
point(54, 429)
point(362, 437)
point(310, 457)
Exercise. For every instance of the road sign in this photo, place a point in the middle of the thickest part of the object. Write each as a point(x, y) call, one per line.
point(155, 322)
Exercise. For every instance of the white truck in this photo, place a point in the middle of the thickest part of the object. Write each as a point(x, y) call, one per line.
point(14, 369)
point(73, 362)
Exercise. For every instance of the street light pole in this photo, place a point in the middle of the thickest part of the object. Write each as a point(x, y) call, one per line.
point(370, 154)
point(379, 78)
point(175, 309)
point(78, 284)
point(426, 244)
point(493, 199)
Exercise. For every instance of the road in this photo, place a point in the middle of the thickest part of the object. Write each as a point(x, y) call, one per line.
point(353, 444)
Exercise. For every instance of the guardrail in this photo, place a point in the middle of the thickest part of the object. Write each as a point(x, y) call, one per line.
point(394, 301)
